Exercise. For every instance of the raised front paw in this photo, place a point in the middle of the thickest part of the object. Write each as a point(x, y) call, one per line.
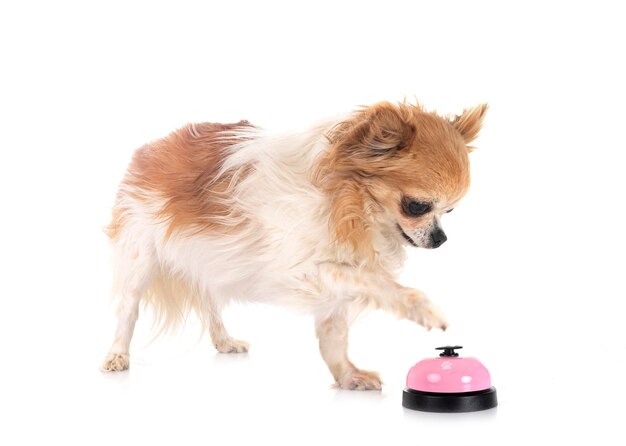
point(421, 310)
point(430, 316)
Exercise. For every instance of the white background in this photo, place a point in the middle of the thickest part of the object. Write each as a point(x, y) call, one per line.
point(531, 277)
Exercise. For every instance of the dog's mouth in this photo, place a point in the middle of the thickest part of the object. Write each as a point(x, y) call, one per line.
point(406, 237)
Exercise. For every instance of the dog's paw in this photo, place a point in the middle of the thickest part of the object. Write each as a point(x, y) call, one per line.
point(360, 380)
point(115, 362)
point(421, 310)
point(230, 345)
point(430, 316)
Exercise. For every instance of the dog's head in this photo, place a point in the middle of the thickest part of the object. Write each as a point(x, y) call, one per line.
point(395, 170)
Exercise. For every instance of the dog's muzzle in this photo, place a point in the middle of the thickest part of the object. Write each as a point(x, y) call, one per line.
point(437, 238)
point(406, 236)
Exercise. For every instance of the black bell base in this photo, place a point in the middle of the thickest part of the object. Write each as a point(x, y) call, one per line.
point(449, 402)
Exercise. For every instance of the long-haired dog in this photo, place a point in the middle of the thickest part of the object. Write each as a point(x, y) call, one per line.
point(317, 221)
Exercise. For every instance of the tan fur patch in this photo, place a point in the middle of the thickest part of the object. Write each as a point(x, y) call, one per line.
point(182, 169)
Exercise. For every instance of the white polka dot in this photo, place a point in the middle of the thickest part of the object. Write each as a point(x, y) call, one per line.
point(433, 377)
point(466, 379)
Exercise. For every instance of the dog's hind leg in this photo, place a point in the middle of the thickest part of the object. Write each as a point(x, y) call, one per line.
point(134, 273)
point(212, 316)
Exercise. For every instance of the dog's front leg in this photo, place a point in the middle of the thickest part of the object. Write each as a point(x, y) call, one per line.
point(373, 288)
point(411, 304)
point(332, 332)
point(350, 290)
point(405, 303)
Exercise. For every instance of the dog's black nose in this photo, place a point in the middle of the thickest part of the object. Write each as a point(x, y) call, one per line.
point(438, 237)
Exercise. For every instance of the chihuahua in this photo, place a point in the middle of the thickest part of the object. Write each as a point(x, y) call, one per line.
point(317, 221)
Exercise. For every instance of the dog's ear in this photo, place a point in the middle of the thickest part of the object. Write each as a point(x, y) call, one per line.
point(383, 130)
point(469, 122)
point(365, 143)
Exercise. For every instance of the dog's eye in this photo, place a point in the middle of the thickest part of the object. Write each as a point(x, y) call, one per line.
point(449, 210)
point(415, 208)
